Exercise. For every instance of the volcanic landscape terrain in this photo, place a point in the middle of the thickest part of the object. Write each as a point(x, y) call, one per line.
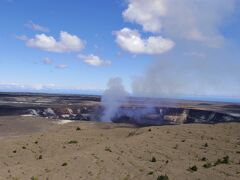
point(48, 137)
point(138, 111)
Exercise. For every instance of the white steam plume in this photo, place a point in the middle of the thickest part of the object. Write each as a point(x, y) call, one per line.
point(214, 76)
point(114, 96)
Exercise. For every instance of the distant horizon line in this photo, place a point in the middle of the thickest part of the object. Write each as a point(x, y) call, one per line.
point(100, 93)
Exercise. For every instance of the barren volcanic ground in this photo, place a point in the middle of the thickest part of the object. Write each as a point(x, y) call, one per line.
point(95, 150)
point(199, 140)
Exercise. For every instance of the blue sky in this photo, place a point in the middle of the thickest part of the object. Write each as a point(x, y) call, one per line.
point(120, 38)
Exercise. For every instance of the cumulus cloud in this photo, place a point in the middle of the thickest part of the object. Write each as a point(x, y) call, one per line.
point(37, 27)
point(94, 60)
point(66, 43)
point(62, 66)
point(131, 41)
point(146, 13)
point(184, 19)
point(47, 61)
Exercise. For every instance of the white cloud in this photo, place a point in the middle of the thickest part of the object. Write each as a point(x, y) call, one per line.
point(94, 60)
point(146, 13)
point(131, 41)
point(47, 61)
point(62, 66)
point(37, 27)
point(189, 19)
point(66, 43)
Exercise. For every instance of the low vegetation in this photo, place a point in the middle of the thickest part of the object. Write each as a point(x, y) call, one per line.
point(193, 168)
point(206, 145)
point(163, 177)
point(207, 165)
point(64, 164)
point(108, 149)
point(153, 159)
point(40, 157)
point(224, 160)
point(150, 173)
point(72, 142)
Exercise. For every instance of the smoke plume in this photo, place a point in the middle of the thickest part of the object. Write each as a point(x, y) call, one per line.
point(113, 97)
point(212, 74)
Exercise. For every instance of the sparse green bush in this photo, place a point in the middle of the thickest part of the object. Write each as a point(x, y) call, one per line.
point(64, 164)
point(207, 165)
point(150, 173)
point(36, 142)
point(163, 177)
point(78, 129)
point(193, 168)
point(40, 157)
point(153, 159)
point(108, 149)
point(219, 161)
point(14, 151)
point(203, 159)
point(72, 142)
point(206, 145)
point(225, 160)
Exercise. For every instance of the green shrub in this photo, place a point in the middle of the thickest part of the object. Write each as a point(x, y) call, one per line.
point(78, 129)
point(207, 165)
point(193, 168)
point(72, 142)
point(225, 160)
point(163, 177)
point(219, 161)
point(153, 159)
point(150, 173)
point(108, 149)
point(64, 164)
point(40, 157)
